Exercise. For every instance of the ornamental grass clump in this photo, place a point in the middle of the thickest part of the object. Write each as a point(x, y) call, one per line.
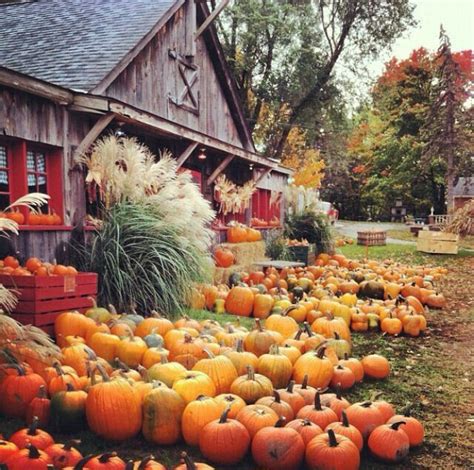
point(152, 242)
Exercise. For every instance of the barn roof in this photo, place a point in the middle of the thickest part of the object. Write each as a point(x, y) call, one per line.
point(464, 187)
point(74, 43)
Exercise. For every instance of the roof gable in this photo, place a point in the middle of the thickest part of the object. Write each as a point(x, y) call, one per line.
point(68, 43)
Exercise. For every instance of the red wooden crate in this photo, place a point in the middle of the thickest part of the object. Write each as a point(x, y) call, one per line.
point(42, 299)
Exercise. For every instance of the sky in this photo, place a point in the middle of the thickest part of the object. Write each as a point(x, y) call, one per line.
point(457, 18)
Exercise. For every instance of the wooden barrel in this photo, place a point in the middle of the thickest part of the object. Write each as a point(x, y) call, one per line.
point(372, 238)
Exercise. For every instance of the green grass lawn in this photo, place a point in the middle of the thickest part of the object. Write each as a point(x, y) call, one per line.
point(406, 254)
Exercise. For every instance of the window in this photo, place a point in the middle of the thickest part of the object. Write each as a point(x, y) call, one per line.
point(29, 168)
point(4, 178)
point(36, 172)
point(263, 207)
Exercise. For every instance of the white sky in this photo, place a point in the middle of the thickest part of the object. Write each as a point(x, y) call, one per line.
point(457, 17)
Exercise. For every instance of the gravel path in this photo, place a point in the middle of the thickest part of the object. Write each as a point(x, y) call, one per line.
point(350, 228)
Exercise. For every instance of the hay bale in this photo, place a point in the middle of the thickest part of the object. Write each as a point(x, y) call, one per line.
point(221, 275)
point(248, 252)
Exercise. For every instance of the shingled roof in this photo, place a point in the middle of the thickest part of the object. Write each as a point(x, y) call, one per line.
point(74, 43)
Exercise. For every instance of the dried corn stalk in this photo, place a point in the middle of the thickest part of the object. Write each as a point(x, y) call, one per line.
point(462, 221)
point(232, 198)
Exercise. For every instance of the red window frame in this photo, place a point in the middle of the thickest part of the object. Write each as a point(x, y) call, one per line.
point(17, 151)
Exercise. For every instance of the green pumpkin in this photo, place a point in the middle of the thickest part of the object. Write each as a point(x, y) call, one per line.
point(371, 289)
point(298, 294)
point(341, 346)
point(68, 410)
point(234, 279)
point(358, 277)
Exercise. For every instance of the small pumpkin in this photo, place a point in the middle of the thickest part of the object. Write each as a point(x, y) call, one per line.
point(189, 464)
point(251, 386)
point(389, 442)
point(412, 427)
point(344, 428)
point(224, 257)
point(317, 413)
point(64, 455)
point(39, 407)
point(32, 435)
point(239, 301)
point(256, 417)
point(259, 340)
point(307, 429)
point(376, 366)
point(330, 451)
point(292, 397)
point(192, 384)
point(30, 458)
point(365, 417)
point(196, 415)
point(220, 369)
point(7, 449)
point(278, 448)
point(281, 408)
point(276, 366)
point(224, 441)
point(68, 410)
point(162, 412)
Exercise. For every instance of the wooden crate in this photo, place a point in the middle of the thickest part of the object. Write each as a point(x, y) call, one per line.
point(303, 254)
point(437, 242)
point(42, 299)
point(372, 238)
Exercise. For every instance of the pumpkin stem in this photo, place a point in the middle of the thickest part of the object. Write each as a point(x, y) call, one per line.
point(224, 415)
point(102, 372)
point(83, 462)
point(276, 395)
point(143, 464)
point(317, 402)
point(42, 392)
point(104, 458)
point(298, 334)
point(336, 335)
point(396, 425)
point(71, 443)
point(121, 365)
point(258, 324)
point(94, 303)
point(190, 465)
point(239, 347)
point(332, 439)
point(321, 351)
point(163, 358)
point(344, 419)
point(209, 353)
point(338, 391)
point(291, 384)
point(250, 373)
point(33, 428)
point(304, 384)
point(129, 465)
point(366, 404)
point(33, 452)
point(155, 314)
point(58, 368)
point(281, 422)
point(307, 329)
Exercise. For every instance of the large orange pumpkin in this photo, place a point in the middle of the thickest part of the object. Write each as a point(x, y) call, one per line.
point(239, 301)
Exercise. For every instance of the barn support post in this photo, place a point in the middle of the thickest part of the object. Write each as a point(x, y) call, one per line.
point(220, 168)
point(92, 135)
point(214, 14)
point(186, 154)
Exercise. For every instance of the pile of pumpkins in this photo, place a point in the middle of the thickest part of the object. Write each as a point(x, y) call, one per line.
point(34, 267)
point(240, 233)
point(35, 449)
point(120, 375)
point(51, 218)
point(386, 296)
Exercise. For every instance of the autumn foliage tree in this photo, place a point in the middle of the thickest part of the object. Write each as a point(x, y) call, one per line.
point(395, 145)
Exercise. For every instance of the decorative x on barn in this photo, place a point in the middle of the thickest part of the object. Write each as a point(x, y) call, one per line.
point(186, 97)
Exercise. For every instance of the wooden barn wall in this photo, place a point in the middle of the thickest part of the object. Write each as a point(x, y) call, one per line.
point(273, 182)
point(30, 117)
point(153, 76)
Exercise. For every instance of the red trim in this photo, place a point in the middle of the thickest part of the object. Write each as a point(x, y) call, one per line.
point(54, 168)
point(49, 228)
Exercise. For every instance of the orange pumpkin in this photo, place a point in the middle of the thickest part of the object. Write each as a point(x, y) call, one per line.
point(224, 257)
point(239, 301)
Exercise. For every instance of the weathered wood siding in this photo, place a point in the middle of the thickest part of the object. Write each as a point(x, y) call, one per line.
point(153, 76)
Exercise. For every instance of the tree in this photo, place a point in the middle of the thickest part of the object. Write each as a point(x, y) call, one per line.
point(284, 55)
point(447, 132)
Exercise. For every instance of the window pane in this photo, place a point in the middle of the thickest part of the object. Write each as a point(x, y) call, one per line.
point(3, 181)
point(40, 162)
point(3, 157)
point(30, 161)
point(31, 183)
point(4, 201)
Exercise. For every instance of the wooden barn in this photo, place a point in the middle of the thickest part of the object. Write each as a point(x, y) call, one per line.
point(71, 71)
